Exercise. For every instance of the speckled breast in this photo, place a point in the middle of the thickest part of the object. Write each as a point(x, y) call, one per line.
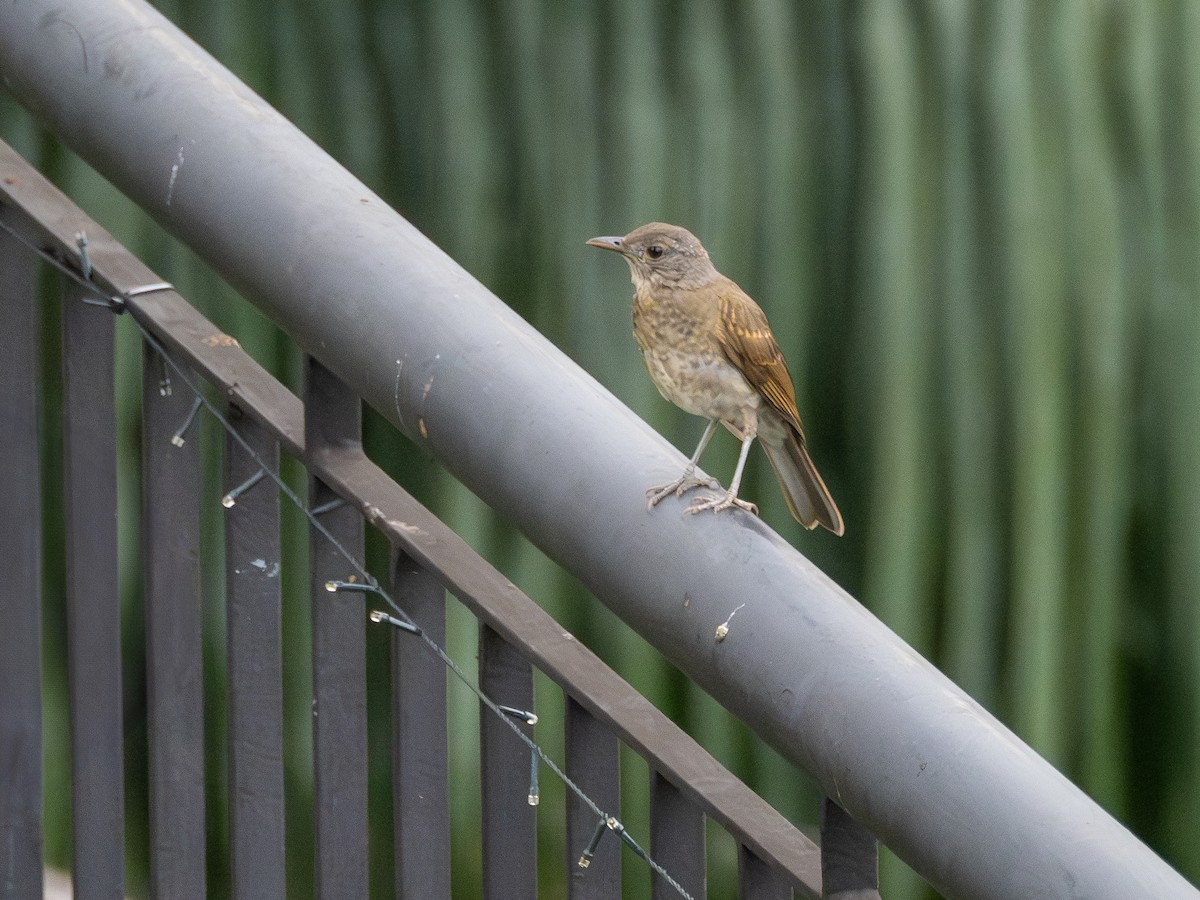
point(687, 366)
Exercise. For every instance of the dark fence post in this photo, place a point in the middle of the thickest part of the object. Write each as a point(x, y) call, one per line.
point(174, 657)
point(593, 760)
point(333, 420)
point(93, 599)
point(21, 587)
point(509, 822)
point(255, 653)
point(676, 840)
point(758, 881)
point(420, 767)
point(849, 856)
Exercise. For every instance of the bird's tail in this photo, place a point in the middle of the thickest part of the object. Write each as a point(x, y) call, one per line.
point(807, 497)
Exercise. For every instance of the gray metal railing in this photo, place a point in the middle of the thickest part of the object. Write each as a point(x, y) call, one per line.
point(905, 752)
point(347, 492)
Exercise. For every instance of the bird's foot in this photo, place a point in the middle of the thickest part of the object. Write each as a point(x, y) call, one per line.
point(716, 504)
point(678, 487)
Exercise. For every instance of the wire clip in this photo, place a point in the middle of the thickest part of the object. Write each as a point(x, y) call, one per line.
point(529, 718)
point(230, 499)
point(534, 795)
point(178, 438)
point(327, 507)
point(355, 587)
point(378, 615)
point(605, 823)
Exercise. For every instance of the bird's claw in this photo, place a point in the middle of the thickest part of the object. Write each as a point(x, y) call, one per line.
point(678, 487)
point(716, 504)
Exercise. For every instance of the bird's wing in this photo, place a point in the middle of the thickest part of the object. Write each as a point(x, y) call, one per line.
point(746, 339)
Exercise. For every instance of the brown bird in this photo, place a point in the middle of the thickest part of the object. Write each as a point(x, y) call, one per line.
point(709, 351)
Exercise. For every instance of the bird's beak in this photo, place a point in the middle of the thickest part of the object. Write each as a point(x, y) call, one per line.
point(608, 243)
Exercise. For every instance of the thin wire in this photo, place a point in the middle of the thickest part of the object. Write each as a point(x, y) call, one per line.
point(359, 567)
point(433, 645)
point(53, 260)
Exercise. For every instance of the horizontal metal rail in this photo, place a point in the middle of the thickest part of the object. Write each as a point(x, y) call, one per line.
point(334, 458)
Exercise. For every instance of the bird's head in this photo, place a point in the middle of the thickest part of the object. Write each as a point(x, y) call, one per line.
point(661, 255)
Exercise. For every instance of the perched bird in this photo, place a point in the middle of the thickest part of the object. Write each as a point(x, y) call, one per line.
point(709, 350)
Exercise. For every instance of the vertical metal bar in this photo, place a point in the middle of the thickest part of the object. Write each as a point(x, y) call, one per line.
point(593, 762)
point(509, 821)
point(21, 587)
point(676, 840)
point(849, 856)
point(174, 657)
point(333, 420)
point(255, 661)
point(420, 776)
point(758, 881)
point(93, 601)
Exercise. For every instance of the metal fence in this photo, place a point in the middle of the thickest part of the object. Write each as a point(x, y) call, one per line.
point(347, 493)
point(907, 753)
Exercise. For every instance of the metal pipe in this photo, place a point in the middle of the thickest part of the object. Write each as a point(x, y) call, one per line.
point(892, 740)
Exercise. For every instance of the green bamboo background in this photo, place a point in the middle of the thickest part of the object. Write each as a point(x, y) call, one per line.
point(976, 231)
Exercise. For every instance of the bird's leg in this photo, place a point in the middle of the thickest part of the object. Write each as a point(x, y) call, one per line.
point(731, 497)
point(688, 479)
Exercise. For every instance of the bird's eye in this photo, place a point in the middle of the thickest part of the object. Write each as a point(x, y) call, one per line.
point(654, 251)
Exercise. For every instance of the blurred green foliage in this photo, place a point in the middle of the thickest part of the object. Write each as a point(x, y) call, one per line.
point(976, 231)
